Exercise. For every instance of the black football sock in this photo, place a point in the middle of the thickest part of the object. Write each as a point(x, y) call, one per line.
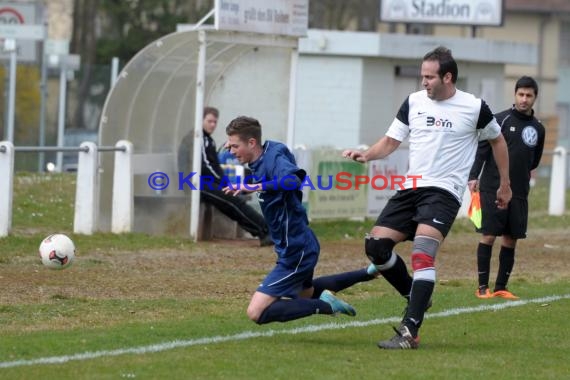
point(399, 277)
point(287, 310)
point(340, 281)
point(419, 299)
point(484, 253)
point(506, 263)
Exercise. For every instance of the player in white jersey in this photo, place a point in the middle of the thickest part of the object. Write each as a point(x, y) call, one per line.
point(443, 125)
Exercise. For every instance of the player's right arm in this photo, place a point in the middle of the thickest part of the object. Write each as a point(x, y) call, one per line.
point(380, 149)
point(397, 132)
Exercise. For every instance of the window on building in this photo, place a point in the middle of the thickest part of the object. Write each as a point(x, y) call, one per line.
point(424, 29)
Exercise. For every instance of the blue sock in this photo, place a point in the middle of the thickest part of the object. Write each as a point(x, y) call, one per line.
point(340, 281)
point(284, 310)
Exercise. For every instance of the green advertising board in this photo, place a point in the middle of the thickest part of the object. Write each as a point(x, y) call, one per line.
point(333, 188)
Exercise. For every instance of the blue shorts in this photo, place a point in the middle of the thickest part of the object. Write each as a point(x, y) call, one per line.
point(291, 276)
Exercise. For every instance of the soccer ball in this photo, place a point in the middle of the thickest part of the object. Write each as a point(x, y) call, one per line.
point(57, 251)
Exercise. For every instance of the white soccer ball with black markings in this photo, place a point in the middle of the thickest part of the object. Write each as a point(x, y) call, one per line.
point(57, 251)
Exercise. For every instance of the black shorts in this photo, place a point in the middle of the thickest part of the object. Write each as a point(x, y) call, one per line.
point(512, 222)
point(425, 205)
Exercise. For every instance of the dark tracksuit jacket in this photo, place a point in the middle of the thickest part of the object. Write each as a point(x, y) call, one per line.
point(524, 136)
point(212, 175)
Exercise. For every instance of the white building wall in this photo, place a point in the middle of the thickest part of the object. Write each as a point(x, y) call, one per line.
point(256, 85)
point(344, 102)
point(544, 33)
point(485, 81)
point(379, 105)
point(329, 90)
point(348, 92)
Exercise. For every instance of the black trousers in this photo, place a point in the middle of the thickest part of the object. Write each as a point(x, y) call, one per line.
point(236, 208)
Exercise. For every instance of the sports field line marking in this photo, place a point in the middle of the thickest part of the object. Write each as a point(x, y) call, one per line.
point(269, 333)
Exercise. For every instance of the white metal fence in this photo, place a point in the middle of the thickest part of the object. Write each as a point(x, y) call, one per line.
point(86, 209)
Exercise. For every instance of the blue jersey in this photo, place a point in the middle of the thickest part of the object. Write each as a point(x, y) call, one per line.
point(282, 209)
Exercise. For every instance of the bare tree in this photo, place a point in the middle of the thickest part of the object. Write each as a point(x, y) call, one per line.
point(368, 15)
point(84, 43)
point(103, 29)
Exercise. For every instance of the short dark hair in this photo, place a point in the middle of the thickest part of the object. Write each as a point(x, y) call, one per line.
point(211, 111)
point(446, 61)
point(527, 82)
point(245, 128)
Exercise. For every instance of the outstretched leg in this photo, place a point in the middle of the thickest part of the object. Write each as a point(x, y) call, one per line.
point(340, 281)
point(265, 309)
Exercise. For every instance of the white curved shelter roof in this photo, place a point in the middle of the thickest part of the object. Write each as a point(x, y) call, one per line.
point(153, 102)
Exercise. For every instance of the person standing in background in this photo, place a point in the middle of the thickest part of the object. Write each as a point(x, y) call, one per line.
point(525, 137)
point(236, 208)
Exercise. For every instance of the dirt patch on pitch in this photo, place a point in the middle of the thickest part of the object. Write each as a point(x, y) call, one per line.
point(234, 268)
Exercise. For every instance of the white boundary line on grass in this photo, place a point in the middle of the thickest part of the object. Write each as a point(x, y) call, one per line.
point(268, 333)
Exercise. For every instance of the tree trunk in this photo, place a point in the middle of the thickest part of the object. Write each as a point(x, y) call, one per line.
point(84, 43)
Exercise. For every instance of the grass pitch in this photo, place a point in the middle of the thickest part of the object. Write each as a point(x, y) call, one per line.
point(137, 306)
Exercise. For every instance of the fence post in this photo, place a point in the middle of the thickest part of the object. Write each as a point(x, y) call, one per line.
point(87, 190)
point(557, 196)
point(6, 186)
point(123, 195)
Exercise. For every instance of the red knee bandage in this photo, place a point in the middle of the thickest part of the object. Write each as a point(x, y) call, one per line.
point(422, 261)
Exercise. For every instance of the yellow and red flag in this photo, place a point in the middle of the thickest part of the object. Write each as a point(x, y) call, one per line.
point(474, 211)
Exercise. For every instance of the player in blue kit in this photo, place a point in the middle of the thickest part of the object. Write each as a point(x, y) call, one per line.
point(289, 291)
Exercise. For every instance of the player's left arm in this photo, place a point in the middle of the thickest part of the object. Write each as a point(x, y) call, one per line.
point(285, 182)
point(284, 176)
point(539, 147)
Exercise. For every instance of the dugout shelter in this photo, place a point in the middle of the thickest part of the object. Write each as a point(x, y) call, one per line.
point(159, 96)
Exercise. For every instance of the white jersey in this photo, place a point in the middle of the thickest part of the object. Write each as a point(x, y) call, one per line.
point(443, 138)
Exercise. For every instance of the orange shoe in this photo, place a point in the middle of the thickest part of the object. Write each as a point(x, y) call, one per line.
point(505, 294)
point(483, 292)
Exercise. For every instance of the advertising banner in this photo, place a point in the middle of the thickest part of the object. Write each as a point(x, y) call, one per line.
point(283, 17)
point(335, 191)
point(464, 12)
point(12, 14)
point(385, 177)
